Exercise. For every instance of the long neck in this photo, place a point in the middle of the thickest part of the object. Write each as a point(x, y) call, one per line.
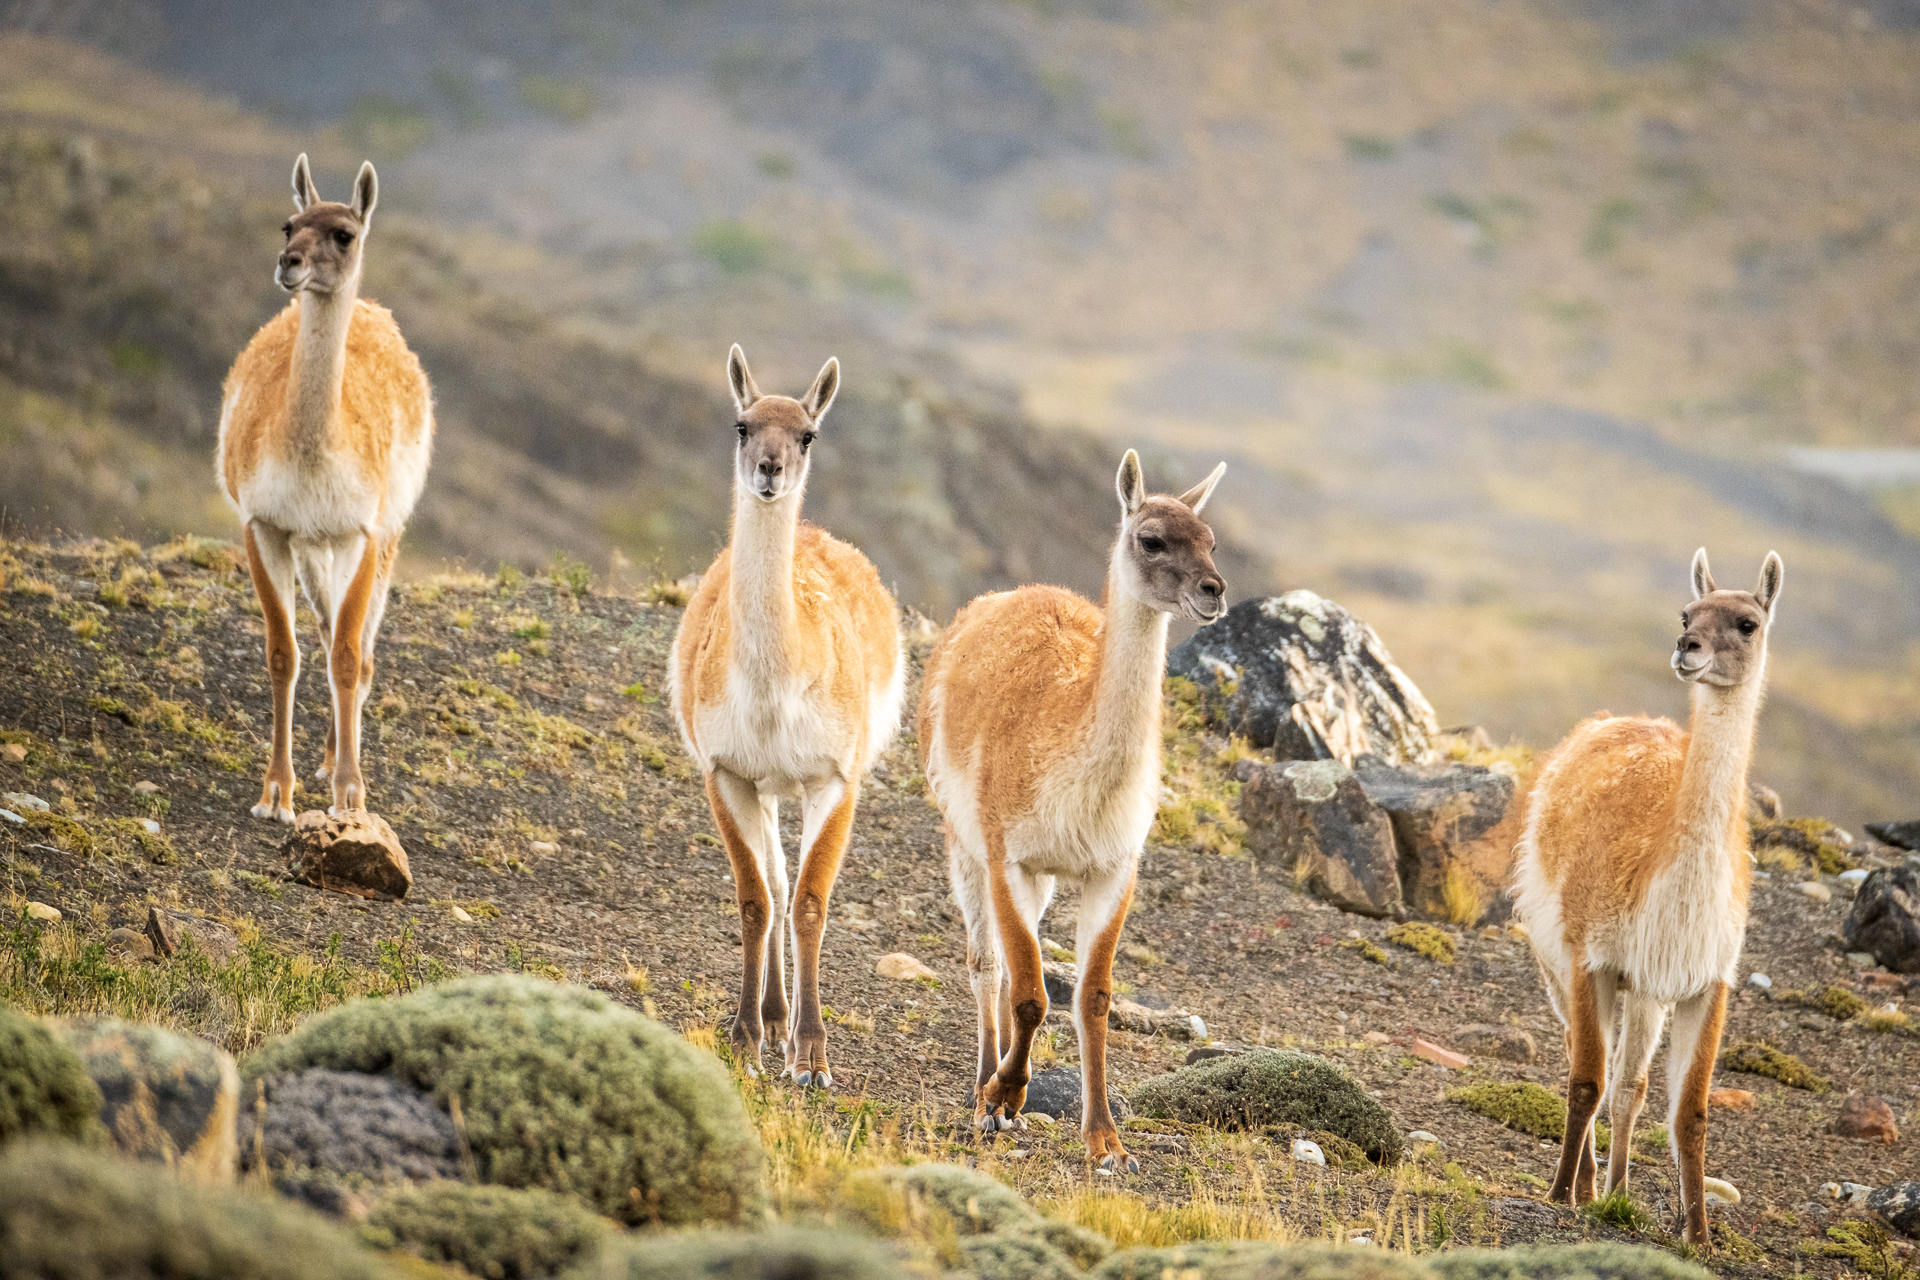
point(319, 362)
point(760, 583)
point(1713, 789)
point(1133, 658)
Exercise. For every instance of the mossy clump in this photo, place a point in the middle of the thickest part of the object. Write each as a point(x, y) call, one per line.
point(1258, 1260)
point(1596, 1261)
point(783, 1253)
point(1273, 1087)
point(1424, 939)
point(66, 1211)
point(925, 1200)
point(1838, 1002)
point(560, 1088)
point(62, 831)
point(1758, 1058)
point(1368, 951)
point(1814, 838)
point(1522, 1105)
point(44, 1087)
point(497, 1232)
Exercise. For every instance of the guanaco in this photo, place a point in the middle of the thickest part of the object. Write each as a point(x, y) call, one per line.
point(1632, 877)
point(787, 678)
point(1039, 733)
point(326, 431)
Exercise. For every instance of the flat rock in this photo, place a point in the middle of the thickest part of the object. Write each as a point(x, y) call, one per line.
point(1447, 826)
point(353, 853)
point(1056, 1093)
point(902, 967)
point(1175, 1024)
point(1490, 1040)
point(1867, 1117)
point(41, 911)
point(24, 803)
point(1885, 919)
point(166, 930)
point(1901, 835)
point(167, 1098)
point(1442, 1056)
point(1302, 675)
point(1899, 1204)
point(1312, 820)
point(349, 1125)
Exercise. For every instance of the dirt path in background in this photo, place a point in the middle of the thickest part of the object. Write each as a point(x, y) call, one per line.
point(508, 715)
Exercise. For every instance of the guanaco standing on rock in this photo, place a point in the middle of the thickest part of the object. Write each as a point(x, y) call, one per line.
point(326, 430)
point(1040, 736)
point(787, 677)
point(1632, 877)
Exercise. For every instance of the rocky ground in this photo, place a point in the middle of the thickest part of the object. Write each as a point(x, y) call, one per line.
point(518, 741)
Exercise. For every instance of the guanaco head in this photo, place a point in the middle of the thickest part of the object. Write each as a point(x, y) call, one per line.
point(776, 432)
point(324, 237)
point(1165, 552)
point(1723, 638)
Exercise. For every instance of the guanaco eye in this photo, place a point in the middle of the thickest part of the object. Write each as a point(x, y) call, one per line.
point(806, 440)
point(741, 427)
point(1748, 626)
point(343, 238)
point(287, 231)
point(1152, 546)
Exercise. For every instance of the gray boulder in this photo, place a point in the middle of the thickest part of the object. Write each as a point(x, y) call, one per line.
point(1301, 675)
point(1312, 820)
point(1901, 835)
point(1056, 1093)
point(1899, 1204)
point(345, 1123)
point(1447, 827)
point(1885, 919)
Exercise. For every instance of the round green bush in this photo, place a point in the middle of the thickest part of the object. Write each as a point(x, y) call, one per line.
point(497, 1232)
point(1017, 1255)
point(784, 1253)
point(1001, 1237)
point(559, 1088)
point(1599, 1261)
point(70, 1213)
point(1273, 1087)
point(1252, 1260)
point(44, 1087)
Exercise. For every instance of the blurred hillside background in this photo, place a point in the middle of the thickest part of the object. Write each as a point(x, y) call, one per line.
point(1498, 308)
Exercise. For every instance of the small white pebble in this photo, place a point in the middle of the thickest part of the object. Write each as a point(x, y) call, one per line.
point(1421, 1135)
point(1760, 980)
point(21, 800)
point(41, 911)
point(1364, 1242)
point(1852, 878)
point(149, 826)
point(11, 816)
point(146, 788)
point(1815, 890)
point(460, 914)
point(1197, 1027)
point(1307, 1152)
point(543, 847)
point(1105, 1173)
point(1719, 1192)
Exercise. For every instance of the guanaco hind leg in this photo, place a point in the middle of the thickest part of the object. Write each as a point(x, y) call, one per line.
point(1627, 1066)
point(1697, 1024)
point(270, 560)
point(1018, 902)
point(1586, 1080)
point(1103, 911)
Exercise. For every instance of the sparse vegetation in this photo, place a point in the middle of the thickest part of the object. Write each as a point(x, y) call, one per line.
point(1758, 1058)
point(497, 1232)
point(1521, 1105)
point(44, 1088)
point(1423, 939)
point(1273, 1087)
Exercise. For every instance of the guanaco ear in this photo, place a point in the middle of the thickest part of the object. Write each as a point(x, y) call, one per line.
point(304, 192)
point(740, 378)
point(1702, 576)
point(826, 385)
point(1197, 496)
point(366, 192)
point(1131, 484)
point(1771, 574)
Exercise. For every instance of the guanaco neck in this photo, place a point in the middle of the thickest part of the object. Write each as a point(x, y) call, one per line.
point(765, 637)
point(1713, 785)
point(319, 364)
point(1125, 732)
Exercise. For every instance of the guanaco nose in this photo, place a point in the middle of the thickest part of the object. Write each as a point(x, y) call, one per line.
point(291, 258)
point(1212, 587)
point(770, 467)
point(1689, 645)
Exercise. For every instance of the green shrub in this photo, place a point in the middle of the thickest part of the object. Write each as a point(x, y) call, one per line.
point(559, 1088)
point(1423, 939)
point(44, 1087)
point(1525, 1106)
point(496, 1232)
point(1258, 1261)
point(1272, 1087)
point(900, 1200)
point(1563, 1262)
point(1015, 1256)
point(784, 1253)
point(66, 1212)
point(1760, 1059)
point(1617, 1209)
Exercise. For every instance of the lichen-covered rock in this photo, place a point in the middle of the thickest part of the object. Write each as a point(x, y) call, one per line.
point(783, 1253)
point(1899, 1204)
point(560, 1088)
point(1495, 1040)
point(1300, 674)
point(1901, 835)
point(343, 1122)
point(1450, 834)
point(354, 853)
point(168, 929)
point(1313, 821)
point(1824, 844)
point(1056, 1093)
point(165, 1097)
point(67, 1213)
point(498, 1232)
point(1597, 1261)
point(1273, 1087)
point(44, 1087)
point(1885, 919)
